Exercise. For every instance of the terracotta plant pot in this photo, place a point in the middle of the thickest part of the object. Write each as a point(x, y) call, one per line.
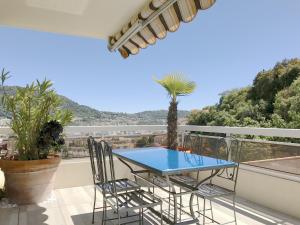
point(29, 182)
point(180, 148)
point(183, 149)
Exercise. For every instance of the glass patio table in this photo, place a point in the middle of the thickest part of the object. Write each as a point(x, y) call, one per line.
point(165, 163)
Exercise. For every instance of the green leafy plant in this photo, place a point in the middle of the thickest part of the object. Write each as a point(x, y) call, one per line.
point(50, 138)
point(176, 85)
point(32, 109)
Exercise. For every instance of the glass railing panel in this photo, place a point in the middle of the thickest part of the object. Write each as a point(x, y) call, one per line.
point(277, 156)
point(284, 157)
point(76, 147)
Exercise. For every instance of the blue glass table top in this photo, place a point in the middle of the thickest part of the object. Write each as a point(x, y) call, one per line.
point(169, 162)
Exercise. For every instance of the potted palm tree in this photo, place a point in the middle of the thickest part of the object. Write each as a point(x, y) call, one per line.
point(176, 85)
point(37, 123)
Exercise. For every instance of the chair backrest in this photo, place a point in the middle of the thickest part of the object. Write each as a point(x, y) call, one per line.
point(193, 143)
point(232, 152)
point(92, 152)
point(217, 147)
point(104, 169)
point(203, 144)
point(213, 146)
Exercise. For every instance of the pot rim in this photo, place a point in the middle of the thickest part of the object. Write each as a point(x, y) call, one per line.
point(21, 166)
point(52, 156)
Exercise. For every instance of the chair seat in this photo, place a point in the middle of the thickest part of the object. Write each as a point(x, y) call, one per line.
point(212, 191)
point(187, 180)
point(161, 182)
point(122, 185)
point(133, 200)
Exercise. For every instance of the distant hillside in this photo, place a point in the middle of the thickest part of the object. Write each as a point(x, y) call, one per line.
point(85, 115)
point(273, 100)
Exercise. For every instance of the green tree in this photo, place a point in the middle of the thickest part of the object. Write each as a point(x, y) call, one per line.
point(287, 106)
point(268, 83)
point(272, 101)
point(176, 85)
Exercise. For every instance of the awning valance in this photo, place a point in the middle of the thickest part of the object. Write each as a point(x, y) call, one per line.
point(153, 23)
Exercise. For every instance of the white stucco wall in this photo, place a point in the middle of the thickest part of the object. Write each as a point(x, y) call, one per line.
point(270, 189)
point(77, 172)
point(281, 194)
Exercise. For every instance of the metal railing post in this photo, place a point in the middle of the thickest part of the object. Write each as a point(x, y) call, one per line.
point(182, 138)
point(228, 143)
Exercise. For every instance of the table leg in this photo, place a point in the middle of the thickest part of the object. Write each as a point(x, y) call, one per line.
point(173, 192)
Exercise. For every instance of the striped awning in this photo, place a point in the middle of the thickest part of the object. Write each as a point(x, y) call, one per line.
point(153, 23)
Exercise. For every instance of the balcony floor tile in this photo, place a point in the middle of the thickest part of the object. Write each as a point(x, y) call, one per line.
point(73, 206)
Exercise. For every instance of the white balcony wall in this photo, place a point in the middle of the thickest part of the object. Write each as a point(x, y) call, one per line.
point(256, 185)
point(270, 190)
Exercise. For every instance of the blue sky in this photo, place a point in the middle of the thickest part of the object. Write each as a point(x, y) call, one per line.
point(222, 49)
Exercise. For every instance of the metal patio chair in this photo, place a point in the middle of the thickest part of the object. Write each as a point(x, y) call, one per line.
point(122, 184)
point(195, 144)
point(212, 191)
point(122, 195)
point(189, 145)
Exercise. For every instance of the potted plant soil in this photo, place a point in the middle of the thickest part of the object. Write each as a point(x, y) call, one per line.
point(37, 122)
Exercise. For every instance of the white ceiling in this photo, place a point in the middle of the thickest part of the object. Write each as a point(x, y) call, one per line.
point(89, 18)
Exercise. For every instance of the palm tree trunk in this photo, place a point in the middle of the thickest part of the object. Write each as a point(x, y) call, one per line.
point(172, 125)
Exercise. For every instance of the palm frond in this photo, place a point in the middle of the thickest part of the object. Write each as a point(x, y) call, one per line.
point(177, 85)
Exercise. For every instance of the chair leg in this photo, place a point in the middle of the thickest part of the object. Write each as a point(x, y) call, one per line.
point(103, 222)
point(169, 212)
point(198, 205)
point(211, 211)
point(161, 214)
point(140, 218)
point(94, 205)
point(234, 210)
point(204, 209)
point(153, 191)
point(149, 188)
point(175, 209)
point(180, 209)
point(127, 213)
point(119, 218)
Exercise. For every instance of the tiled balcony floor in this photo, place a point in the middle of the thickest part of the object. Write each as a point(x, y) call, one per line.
point(73, 206)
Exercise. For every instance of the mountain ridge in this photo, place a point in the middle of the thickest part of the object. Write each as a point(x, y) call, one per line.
point(85, 115)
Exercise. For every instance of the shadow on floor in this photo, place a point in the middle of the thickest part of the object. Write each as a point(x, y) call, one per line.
point(86, 218)
point(35, 215)
point(25, 214)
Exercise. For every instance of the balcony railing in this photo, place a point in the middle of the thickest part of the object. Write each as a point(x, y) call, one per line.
point(257, 152)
